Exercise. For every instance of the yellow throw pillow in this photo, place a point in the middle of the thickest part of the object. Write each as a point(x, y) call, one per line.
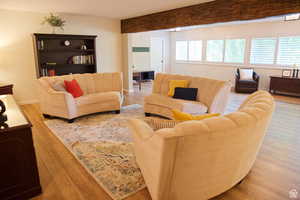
point(176, 83)
point(182, 116)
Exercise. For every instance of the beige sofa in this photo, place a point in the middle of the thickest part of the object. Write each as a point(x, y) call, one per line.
point(198, 160)
point(102, 92)
point(212, 96)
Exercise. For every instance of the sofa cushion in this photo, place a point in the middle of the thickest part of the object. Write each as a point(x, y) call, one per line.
point(98, 98)
point(183, 116)
point(176, 83)
point(73, 88)
point(192, 107)
point(246, 74)
point(186, 93)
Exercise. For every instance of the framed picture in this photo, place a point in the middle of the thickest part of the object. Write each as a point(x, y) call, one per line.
point(286, 73)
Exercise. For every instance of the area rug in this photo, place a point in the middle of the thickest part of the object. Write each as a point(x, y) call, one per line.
point(102, 144)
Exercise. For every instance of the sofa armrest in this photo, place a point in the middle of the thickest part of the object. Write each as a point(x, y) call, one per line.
point(221, 99)
point(57, 103)
point(255, 76)
point(155, 154)
point(141, 130)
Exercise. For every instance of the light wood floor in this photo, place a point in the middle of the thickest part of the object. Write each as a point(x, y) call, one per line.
point(62, 177)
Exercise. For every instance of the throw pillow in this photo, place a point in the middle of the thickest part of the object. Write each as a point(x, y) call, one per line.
point(186, 93)
point(246, 74)
point(176, 83)
point(58, 86)
point(74, 88)
point(156, 123)
point(181, 116)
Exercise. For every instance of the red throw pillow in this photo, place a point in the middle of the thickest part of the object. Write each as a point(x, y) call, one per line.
point(74, 88)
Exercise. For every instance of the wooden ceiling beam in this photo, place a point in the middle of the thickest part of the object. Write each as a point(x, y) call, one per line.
point(210, 12)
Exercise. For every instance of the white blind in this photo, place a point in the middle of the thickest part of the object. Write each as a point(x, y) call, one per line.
point(214, 50)
point(263, 50)
point(181, 50)
point(195, 50)
point(235, 51)
point(289, 51)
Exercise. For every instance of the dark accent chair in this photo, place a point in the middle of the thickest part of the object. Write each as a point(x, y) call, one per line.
point(246, 86)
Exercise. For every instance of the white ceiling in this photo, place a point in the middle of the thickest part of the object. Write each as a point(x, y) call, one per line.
point(118, 9)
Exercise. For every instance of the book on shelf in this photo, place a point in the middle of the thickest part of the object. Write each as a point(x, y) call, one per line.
point(48, 72)
point(83, 59)
point(40, 44)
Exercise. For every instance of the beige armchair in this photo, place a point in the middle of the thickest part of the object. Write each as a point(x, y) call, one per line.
point(198, 160)
point(212, 96)
point(102, 92)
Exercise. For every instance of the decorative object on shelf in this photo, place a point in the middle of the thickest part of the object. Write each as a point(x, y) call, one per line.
point(55, 22)
point(286, 73)
point(83, 47)
point(295, 71)
point(67, 43)
point(3, 117)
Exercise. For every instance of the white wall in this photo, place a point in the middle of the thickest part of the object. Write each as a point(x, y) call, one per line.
point(248, 31)
point(142, 60)
point(17, 63)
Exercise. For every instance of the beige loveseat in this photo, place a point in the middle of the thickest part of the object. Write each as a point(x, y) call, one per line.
point(102, 92)
point(212, 96)
point(197, 160)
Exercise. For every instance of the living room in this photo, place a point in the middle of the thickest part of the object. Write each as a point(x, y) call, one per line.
point(156, 100)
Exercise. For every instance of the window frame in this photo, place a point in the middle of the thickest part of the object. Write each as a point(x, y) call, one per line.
point(247, 52)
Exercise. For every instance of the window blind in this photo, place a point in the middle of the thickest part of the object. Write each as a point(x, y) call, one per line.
point(263, 50)
point(181, 50)
point(214, 50)
point(289, 51)
point(235, 51)
point(195, 50)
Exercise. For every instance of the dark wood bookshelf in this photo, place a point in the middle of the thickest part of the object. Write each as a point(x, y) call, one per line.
point(54, 57)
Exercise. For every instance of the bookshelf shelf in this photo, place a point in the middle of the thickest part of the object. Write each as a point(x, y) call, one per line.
point(65, 50)
point(60, 54)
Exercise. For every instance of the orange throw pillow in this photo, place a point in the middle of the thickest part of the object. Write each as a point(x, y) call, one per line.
point(74, 88)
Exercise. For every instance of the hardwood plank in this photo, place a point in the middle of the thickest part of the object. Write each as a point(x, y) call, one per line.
point(210, 12)
point(275, 172)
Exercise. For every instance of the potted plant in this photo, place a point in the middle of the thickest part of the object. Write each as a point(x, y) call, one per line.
point(55, 22)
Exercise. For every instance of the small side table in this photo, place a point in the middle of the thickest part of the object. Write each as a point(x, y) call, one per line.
point(6, 89)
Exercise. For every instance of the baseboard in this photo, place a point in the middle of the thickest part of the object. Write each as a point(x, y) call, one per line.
point(28, 102)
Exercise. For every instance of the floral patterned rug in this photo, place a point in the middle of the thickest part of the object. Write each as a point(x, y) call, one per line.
point(102, 144)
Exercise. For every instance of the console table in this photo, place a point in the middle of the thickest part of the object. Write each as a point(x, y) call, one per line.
point(285, 86)
point(19, 178)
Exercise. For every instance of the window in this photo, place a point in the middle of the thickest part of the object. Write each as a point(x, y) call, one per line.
point(235, 51)
point(181, 50)
point(214, 50)
point(289, 51)
point(195, 50)
point(263, 51)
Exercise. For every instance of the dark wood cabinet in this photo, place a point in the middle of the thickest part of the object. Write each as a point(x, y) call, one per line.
point(6, 89)
point(18, 167)
point(285, 85)
point(59, 54)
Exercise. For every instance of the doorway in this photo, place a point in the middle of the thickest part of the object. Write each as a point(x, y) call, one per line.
point(157, 54)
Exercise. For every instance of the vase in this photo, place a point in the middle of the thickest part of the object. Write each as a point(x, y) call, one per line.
point(53, 29)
